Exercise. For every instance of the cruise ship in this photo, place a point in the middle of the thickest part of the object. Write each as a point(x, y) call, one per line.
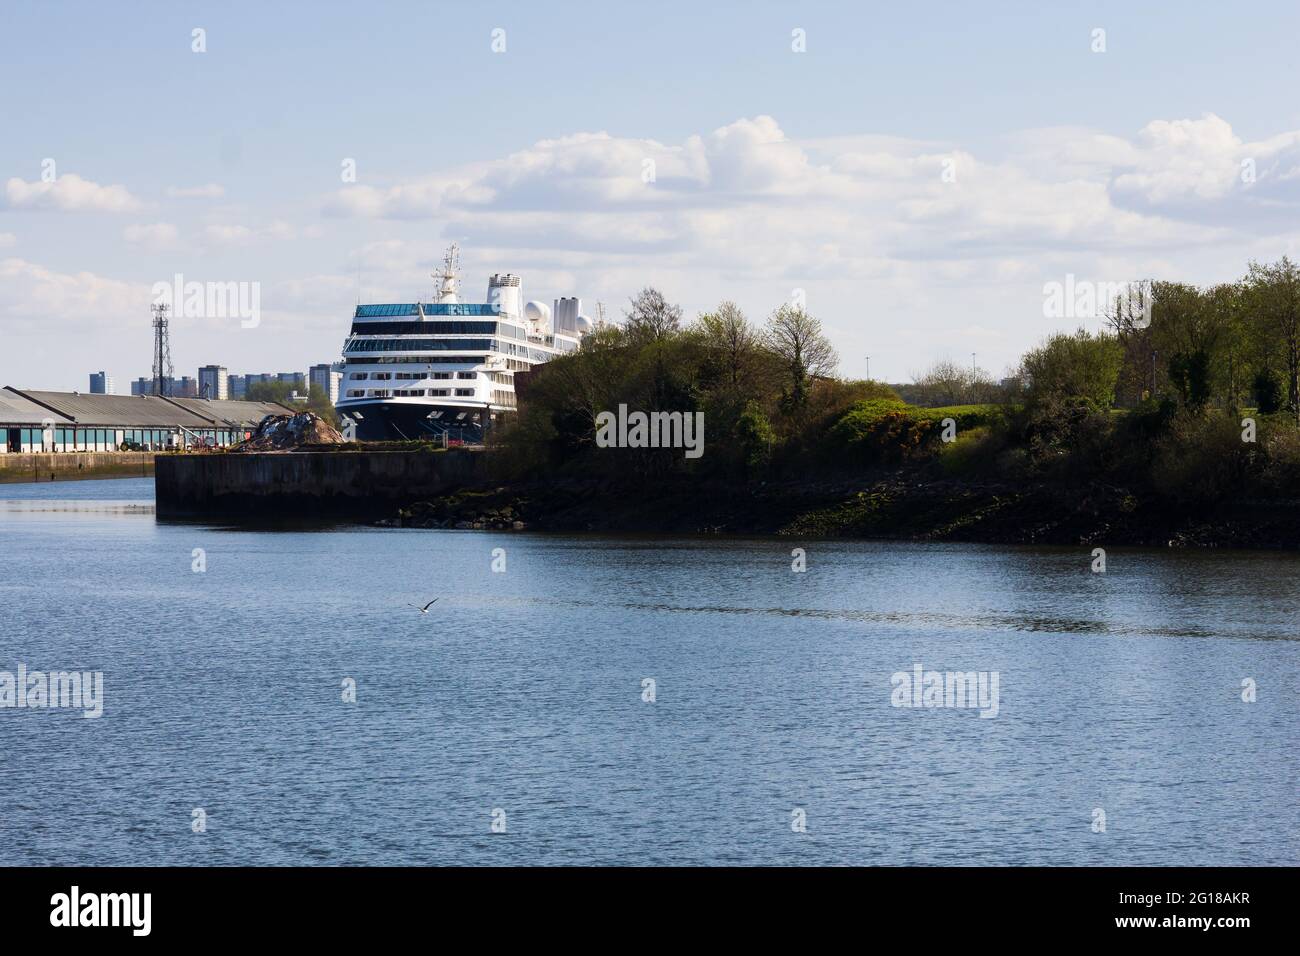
point(444, 370)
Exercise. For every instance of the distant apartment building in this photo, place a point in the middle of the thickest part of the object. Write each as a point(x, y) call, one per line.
point(214, 383)
point(327, 378)
point(240, 384)
point(101, 384)
point(183, 387)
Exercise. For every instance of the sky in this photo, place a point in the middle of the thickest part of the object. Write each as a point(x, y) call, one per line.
point(916, 175)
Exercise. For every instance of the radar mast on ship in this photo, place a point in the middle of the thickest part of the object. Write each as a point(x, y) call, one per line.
point(449, 278)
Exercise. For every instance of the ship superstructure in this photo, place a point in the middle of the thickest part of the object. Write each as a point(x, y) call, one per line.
point(445, 369)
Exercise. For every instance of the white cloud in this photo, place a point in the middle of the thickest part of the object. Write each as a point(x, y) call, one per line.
point(208, 191)
point(868, 224)
point(8, 240)
point(228, 235)
point(1200, 169)
point(158, 235)
point(748, 193)
point(235, 234)
point(898, 261)
point(416, 200)
point(33, 294)
point(69, 193)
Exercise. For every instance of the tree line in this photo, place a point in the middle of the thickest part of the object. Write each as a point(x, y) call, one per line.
point(758, 385)
point(1152, 400)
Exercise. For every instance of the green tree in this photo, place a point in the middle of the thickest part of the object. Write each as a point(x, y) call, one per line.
point(804, 352)
point(734, 347)
point(318, 401)
point(1274, 300)
point(274, 391)
point(651, 318)
point(1065, 366)
point(1190, 374)
point(755, 437)
point(1268, 393)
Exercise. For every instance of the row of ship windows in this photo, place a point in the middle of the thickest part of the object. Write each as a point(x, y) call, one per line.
point(406, 345)
point(440, 328)
point(428, 308)
point(407, 376)
point(421, 360)
point(446, 345)
point(410, 392)
point(514, 365)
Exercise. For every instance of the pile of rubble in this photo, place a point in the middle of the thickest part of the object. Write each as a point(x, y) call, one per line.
point(287, 432)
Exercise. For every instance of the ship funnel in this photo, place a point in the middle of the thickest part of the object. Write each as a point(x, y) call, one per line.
point(504, 292)
point(567, 310)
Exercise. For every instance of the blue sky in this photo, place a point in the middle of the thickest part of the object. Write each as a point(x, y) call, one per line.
point(819, 171)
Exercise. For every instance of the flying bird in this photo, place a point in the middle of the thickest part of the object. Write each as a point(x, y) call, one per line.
point(425, 609)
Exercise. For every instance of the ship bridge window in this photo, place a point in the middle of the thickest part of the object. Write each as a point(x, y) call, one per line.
point(461, 308)
point(380, 311)
point(467, 375)
point(425, 328)
point(412, 345)
point(433, 308)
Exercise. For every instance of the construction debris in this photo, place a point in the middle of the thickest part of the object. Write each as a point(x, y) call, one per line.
point(287, 432)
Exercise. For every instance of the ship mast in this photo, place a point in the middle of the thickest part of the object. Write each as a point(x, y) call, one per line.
point(448, 278)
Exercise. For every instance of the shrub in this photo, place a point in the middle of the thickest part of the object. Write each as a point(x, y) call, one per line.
point(1190, 374)
point(1071, 436)
point(1201, 459)
point(880, 430)
point(755, 437)
point(1066, 367)
point(1280, 443)
point(1268, 393)
point(965, 416)
point(974, 450)
point(888, 431)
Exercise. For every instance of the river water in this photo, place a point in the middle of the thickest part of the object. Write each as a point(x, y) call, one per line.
point(522, 700)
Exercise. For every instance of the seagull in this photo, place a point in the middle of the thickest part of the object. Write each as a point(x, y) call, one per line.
point(425, 609)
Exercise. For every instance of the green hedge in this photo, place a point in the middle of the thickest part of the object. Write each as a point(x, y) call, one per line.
point(888, 431)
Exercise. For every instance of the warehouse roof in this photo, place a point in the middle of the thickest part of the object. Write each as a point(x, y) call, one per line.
point(16, 410)
point(141, 411)
point(231, 413)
